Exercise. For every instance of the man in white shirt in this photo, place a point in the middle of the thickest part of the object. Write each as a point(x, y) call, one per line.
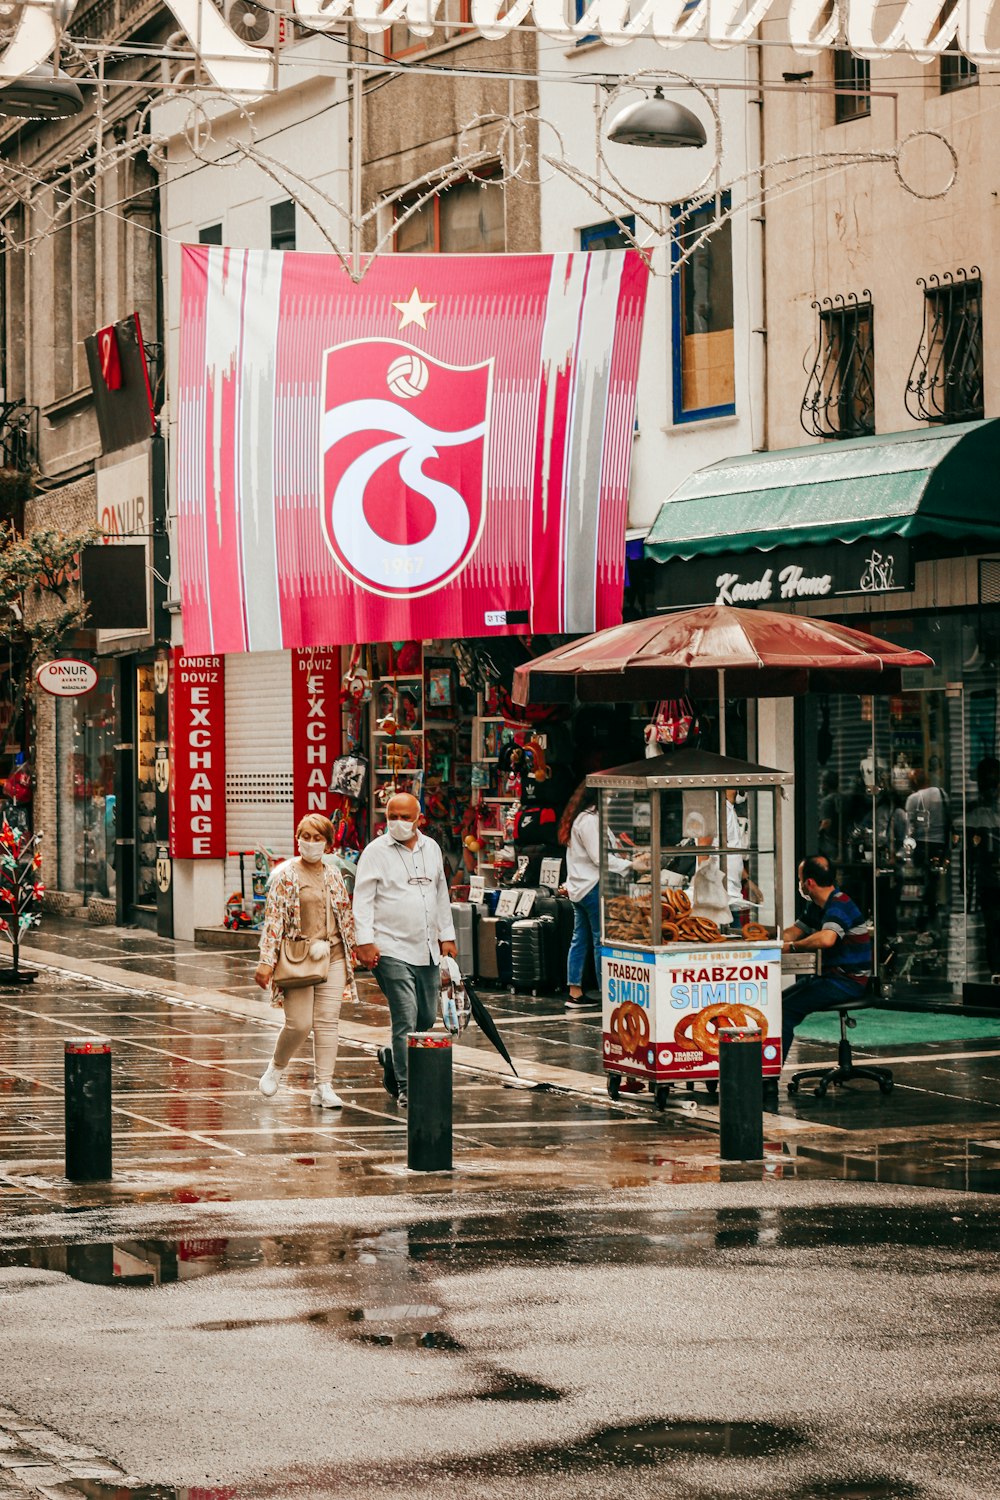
point(402, 916)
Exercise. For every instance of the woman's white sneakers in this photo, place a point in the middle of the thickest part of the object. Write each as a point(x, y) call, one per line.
point(324, 1096)
point(270, 1080)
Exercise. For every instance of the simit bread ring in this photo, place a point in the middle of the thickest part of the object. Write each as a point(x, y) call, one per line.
point(678, 900)
point(699, 930)
point(755, 932)
point(682, 1031)
point(705, 1032)
point(630, 1024)
point(671, 933)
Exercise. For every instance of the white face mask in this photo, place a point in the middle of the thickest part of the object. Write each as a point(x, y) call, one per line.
point(400, 829)
point(311, 850)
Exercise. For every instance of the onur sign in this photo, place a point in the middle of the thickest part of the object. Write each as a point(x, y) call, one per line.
point(66, 678)
point(872, 28)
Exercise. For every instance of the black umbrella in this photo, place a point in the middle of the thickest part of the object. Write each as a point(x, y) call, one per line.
point(487, 1025)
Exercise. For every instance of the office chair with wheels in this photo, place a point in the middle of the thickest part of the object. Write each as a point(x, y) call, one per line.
point(845, 1071)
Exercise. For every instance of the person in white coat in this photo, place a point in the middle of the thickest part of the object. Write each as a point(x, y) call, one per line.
point(579, 830)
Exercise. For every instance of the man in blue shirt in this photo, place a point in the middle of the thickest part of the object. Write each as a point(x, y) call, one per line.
point(835, 928)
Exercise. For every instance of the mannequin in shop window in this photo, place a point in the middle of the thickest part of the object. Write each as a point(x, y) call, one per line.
point(983, 834)
point(928, 834)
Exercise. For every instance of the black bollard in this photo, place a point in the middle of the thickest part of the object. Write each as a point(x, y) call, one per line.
point(741, 1117)
point(428, 1091)
point(88, 1110)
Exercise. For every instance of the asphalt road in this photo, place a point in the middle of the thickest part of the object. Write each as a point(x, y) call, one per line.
point(794, 1340)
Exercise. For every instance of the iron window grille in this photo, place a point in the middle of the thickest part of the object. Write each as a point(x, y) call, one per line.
point(945, 383)
point(852, 79)
point(839, 400)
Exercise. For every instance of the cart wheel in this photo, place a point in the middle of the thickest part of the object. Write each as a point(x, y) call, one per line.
point(771, 1093)
point(885, 1085)
point(793, 1087)
point(614, 1085)
point(662, 1090)
point(821, 1089)
point(712, 1084)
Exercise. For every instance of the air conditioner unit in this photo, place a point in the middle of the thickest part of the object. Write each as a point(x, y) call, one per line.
point(257, 25)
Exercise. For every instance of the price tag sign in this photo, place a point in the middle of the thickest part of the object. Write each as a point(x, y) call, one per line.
point(477, 889)
point(525, 903)
point(549, 874)
point(507, 905)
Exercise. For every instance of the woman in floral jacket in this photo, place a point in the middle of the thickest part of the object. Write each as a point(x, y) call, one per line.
point(308, 898)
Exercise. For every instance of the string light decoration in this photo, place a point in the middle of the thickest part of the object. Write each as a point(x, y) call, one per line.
point(507, 150)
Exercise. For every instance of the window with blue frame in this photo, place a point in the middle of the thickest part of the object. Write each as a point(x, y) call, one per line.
point(608, 236)
point(702, 348)
point(580, 7)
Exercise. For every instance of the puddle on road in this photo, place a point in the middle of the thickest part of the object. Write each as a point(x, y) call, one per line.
point(857, 1489)
point(511, 1387)
point(478, 1242)
point(650, 1441)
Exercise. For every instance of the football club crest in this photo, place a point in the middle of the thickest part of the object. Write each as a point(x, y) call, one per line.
point(161, 768)
point(404, 443)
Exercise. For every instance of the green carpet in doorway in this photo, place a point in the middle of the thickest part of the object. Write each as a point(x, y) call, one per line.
point(894, 1028)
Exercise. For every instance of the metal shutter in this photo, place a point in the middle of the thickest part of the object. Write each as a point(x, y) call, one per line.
point(259, 800)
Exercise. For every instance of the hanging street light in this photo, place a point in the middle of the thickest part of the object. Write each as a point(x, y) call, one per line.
point(42, 94)
point(657, 122)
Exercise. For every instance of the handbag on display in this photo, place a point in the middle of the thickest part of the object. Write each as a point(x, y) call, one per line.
point(303, 961)
point(674, 721)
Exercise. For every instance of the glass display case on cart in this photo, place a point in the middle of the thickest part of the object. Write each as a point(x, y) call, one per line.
point(691, 915)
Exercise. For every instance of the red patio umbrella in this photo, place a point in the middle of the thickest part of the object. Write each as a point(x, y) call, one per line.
point(740, 653)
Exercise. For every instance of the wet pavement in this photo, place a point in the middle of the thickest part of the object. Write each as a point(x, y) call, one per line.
point(265, 1302)
point(700, 1342)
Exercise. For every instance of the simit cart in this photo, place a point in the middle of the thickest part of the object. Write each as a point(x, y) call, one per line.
point(691, 917)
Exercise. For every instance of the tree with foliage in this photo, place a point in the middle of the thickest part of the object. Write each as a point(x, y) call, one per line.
point(41, 605)
point(21, 892)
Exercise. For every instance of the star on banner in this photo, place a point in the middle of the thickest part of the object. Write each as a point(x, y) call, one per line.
point(413, 311)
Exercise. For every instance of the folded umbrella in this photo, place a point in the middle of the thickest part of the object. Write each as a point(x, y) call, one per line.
point(487, 1025)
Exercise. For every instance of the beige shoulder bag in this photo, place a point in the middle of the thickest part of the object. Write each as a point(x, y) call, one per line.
point(303, 961)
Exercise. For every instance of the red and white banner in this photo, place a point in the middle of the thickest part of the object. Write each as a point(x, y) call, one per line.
point(440, 450)
point(198, 738)
point(316, 677)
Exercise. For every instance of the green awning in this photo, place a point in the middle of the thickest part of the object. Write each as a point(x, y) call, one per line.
point(940, 481)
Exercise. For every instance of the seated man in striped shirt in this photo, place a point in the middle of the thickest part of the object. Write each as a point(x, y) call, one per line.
point(836, 929)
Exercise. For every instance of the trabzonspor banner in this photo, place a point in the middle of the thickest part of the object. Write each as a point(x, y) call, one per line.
point(440, 450)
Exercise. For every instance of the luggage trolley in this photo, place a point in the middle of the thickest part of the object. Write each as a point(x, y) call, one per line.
point(691, 930)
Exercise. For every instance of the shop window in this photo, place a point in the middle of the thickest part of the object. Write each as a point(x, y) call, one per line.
point(283, 225)
point(210, 235)
point(452, 18)
point(701, 250)
point(945, 383)
point(465, 219)
point(608, 236)
point(839, 400)
point(956, 71)
point(852, 80)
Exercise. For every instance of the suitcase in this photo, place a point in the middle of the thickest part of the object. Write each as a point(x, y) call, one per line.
point(534, 954)
point(464, 917)
point(494, 949)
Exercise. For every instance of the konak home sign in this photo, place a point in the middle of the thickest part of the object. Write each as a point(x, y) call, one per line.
point(872, 28)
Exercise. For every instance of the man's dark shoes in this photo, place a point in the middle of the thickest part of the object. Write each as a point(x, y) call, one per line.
point(389, 1083)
